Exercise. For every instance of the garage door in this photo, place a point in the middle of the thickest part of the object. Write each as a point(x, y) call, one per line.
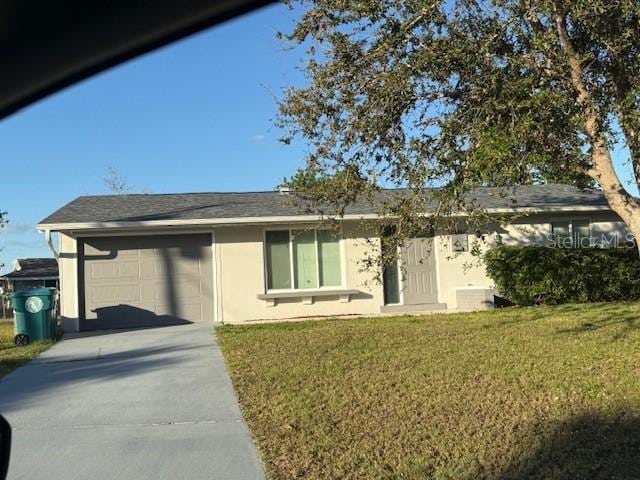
point(146, 281)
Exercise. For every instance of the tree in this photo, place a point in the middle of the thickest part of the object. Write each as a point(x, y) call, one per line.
point(118, 184)
point(460, 93)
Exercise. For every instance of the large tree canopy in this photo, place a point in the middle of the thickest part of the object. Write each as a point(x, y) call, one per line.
point(461, 93)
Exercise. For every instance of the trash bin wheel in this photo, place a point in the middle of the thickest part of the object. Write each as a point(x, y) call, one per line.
point(21, 339)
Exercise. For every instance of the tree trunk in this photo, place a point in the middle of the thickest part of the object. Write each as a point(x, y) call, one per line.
point(602, 169)
point(626, 206)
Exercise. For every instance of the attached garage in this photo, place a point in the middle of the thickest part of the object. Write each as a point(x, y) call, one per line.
point(139, 281)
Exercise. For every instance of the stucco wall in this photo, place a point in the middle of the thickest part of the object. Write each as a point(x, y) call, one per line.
point(240, 271)
point(464, 269)
point(241, 277)
point(67, 264)
point(456, 270)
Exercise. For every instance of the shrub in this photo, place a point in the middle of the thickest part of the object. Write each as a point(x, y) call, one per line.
point(533, 275)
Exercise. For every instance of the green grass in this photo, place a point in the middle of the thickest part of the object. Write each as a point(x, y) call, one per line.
point(546, 392)
point(11, 357)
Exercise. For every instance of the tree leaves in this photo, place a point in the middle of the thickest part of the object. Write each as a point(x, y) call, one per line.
point(456, 94)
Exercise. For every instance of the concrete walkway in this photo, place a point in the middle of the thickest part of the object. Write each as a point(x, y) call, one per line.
point(145, 404)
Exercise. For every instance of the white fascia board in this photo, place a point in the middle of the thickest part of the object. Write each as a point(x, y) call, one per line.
point(600, 208)
point(215, 222)
point(205, 222)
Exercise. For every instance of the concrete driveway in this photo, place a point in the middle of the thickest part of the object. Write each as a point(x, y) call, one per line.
point(144, 404)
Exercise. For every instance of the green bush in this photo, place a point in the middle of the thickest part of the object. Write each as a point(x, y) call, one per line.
point(544, 275)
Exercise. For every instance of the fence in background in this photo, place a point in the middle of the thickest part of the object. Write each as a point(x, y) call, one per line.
point(5, 308)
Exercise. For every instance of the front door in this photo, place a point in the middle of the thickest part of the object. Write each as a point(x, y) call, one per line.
point(419, 283)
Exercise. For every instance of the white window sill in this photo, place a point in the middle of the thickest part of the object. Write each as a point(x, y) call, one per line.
point(307, 296)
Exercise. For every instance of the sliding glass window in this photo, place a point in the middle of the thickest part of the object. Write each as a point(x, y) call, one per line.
point(573, 233)
point(302, 259)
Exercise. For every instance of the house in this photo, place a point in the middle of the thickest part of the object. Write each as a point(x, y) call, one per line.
point(136, 260)
point(31, 273)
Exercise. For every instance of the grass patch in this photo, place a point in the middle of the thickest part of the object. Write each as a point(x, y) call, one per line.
point(11, 357)
point(541, 392)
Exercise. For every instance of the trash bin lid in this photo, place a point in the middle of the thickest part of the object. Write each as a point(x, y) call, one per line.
point(33, 292)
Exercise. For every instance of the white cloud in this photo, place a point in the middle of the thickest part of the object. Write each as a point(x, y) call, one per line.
point(24, 246)
point(17, 228)
point(258, 137)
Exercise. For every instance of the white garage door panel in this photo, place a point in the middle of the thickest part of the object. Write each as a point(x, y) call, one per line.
point(145, 281)
point(115, 293)
point(113, 271)
point(185, 290)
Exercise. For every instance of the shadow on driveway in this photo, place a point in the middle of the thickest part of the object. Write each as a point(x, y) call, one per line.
point(153, 403)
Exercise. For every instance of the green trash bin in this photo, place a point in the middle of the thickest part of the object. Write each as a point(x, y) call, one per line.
point(34, 313)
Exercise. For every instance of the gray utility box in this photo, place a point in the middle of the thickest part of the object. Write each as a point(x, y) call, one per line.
point(475, 298)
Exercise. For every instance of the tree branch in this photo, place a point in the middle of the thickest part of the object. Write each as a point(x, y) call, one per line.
point(575, 62)
point(602, 170)
point(532, 16)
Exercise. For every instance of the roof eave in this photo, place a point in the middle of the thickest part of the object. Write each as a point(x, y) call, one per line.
point(32, 277)
point(216, 222)
point(203, 222)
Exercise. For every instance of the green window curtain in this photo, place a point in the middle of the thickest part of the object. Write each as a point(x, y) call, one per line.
point(305, 263)
point(278, 260)
point(329, 257)
point(581, 234)
point(561, 235)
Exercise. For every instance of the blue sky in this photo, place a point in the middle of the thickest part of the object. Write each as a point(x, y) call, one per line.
point(194, 116)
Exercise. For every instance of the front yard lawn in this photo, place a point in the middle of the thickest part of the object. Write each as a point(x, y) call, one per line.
point(545, 392)
point(11, 357)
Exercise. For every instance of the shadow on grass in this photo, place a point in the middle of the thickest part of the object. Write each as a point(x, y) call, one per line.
point(621, 317)
point(626, 325)
point(612, 316)
point(623, 325)
point(586, 447)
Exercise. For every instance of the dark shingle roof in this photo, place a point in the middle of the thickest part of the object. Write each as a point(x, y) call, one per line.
point(202, 206)
point(35, 268)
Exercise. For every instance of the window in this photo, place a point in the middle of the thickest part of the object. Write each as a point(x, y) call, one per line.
point(571, 233)
point(302, 259)
point(561, 234)
point(581, 233)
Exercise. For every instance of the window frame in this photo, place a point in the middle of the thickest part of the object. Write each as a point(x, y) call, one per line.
point(290, 230)
point(570, 221)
